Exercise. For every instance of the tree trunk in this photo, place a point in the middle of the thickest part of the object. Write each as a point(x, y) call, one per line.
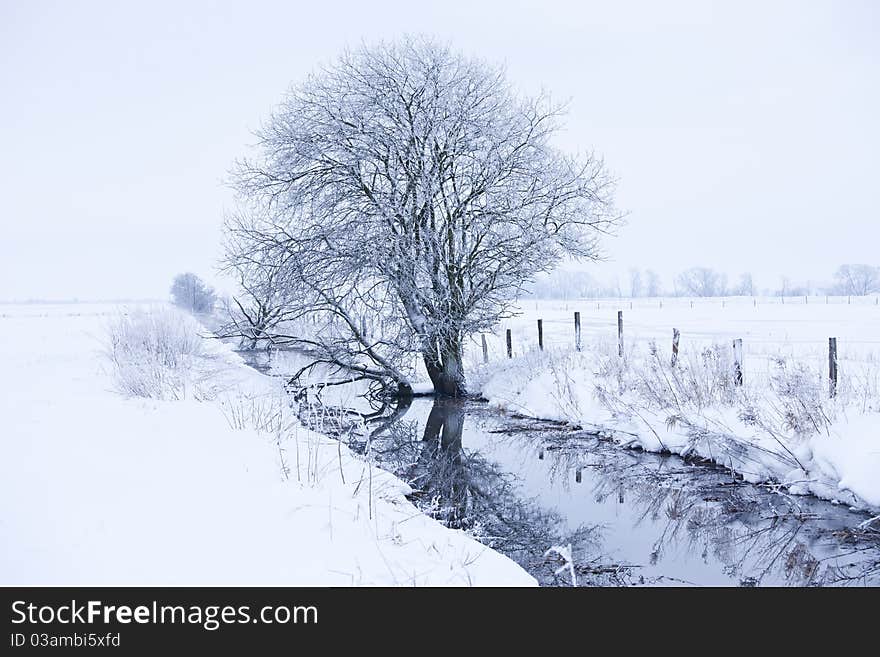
point(405, 392)
point(445, 369)
point(444, 428)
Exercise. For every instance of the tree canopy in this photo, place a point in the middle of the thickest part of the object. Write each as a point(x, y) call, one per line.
point(410, 183)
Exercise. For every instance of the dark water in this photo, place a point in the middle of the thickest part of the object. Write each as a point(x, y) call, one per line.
point(628, 517)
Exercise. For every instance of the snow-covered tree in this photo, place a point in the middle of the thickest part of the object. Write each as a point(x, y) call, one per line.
point(857, 279)
point(410, 185)
point(635, 282)
point(701, 282)
point(746, 286)
point(192, 293)
point(260, 312)
point(653, 287)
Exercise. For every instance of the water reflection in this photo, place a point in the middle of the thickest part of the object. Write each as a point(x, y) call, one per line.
point(464, 490)
point(523, 486)
point(700, 521)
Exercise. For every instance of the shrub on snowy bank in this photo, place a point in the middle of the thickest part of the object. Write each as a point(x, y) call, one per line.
point(781, 425)
point(159, 354)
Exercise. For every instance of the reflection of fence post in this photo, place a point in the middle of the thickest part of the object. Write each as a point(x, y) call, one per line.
point(675, 336)
point(832, 367)
point(577, 331)
point(541, 334)
point(620, 333)
point(738, 362)
point(509, 345)
point(485, 349)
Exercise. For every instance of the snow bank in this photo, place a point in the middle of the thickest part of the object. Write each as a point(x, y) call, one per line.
point(101, 489)
point(780, 428)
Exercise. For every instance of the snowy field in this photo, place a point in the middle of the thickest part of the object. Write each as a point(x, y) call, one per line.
point(100, 488)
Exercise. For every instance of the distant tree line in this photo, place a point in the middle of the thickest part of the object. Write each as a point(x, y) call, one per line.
point(849, 280)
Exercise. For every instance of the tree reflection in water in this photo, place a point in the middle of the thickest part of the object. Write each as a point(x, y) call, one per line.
point(754, 535)
point(757, 535)
point(464, 490)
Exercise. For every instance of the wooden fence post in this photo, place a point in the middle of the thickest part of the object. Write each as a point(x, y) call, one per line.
point(485, 349)
point(509, 345)
point(675, 336)
point(620, 333)
point(541, 334)
point(577, 330)
point(577, 475)
point(832, 367)
point(738, 362)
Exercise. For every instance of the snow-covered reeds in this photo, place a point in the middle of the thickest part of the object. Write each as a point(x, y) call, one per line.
point(158, 353)
point(781, 394)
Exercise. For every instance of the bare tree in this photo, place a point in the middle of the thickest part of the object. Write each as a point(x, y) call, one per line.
point(261, 312)
point(857, 280)
point(560, 284)
point(191, 292)
point(635, 282)
point(701, 282)
point(653, 288)
point(746, 285)
point(785, 286)
point(409, 184)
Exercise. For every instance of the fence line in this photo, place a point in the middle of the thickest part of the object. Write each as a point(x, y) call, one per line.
point(737, 350)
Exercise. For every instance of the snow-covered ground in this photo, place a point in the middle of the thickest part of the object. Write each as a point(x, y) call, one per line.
point(100, 488)
point(780, 426)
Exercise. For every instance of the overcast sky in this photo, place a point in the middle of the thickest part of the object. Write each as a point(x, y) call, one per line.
point(745, 135)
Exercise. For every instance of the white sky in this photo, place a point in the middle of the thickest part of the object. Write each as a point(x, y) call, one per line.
point(745, 134)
